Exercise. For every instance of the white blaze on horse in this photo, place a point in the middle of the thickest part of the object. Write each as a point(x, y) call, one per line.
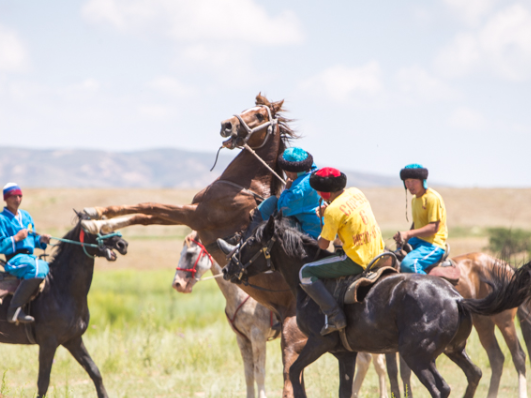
point(251, 322)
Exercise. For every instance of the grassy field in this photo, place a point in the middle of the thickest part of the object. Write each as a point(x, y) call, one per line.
point(150, 341)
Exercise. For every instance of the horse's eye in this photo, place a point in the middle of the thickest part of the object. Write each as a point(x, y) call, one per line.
point(260, 117)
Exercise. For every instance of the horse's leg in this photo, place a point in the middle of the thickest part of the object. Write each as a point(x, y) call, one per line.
point(379, 366)
point(524, 316)
point(485, 328)
point(363, 361)
point(472, 372)
point(405, 375)
point(292, 342)
point(313, 350)
point(144, 214)
point(246, 351)
point(428, 375)
point(505, 322)
point(392, 373)
point(79, 352)
point(259, 340)
point(347, 366)
point(46, 354)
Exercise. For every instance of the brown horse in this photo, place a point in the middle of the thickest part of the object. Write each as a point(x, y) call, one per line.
point(224, 208)
point(476, 271)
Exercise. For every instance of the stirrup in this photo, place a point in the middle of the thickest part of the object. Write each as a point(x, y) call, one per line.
point(20, 317)
point(336, 326)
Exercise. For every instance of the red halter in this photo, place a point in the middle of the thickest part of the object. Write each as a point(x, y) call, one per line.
point(202, 253)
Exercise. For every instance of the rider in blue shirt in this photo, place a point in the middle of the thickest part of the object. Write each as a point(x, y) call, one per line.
point(17, 243)
point(298, 200)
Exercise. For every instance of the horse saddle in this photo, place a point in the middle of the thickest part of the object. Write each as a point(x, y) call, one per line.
point(445, 268)
point(9, 284)
point(353, 289)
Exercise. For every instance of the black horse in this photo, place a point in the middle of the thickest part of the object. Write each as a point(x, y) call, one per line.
point(61, 312)
point(419, 316)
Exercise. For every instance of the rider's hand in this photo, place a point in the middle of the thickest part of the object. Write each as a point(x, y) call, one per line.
point(45, 238)
point(190, 237)
point(289, 181)
point(401, 237)
point(21, 235)
point(322, 212)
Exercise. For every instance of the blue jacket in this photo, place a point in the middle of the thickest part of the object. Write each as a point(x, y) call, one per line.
point(300, 201)
point(10, 225)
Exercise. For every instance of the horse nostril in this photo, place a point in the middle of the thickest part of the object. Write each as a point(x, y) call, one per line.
point(176, 285)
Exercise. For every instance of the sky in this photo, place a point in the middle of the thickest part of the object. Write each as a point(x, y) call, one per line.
point(372, 86)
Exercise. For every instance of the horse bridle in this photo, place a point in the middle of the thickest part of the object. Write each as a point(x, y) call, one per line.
point(271, 123)
point(202, 254)
point(265, 250)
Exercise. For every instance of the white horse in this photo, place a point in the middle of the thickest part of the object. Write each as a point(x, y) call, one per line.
point(251, 321)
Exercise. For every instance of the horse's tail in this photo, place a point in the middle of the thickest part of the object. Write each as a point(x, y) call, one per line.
point(509, 291)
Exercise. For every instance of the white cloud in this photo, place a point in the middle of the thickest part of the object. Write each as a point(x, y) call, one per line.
point(184, 20)
point(502, 45)
point(341, 83)
point(418, 83)
point(171, 86)
point(13, 55)
point(470, 10)
point(467, 119)
point(156, 112)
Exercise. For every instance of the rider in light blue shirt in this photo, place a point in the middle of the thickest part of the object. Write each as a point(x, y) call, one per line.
point(298, 200)
point(17, 243)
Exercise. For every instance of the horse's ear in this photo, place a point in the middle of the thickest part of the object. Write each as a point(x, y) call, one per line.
point(225, 247)
point(269, 230)
point(261, 100)
point(279, 215)
point(276, 107)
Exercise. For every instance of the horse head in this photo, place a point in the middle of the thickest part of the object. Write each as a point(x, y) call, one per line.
point(253, 126)
point(97, 245)
point(193, 264)
point(253, 256)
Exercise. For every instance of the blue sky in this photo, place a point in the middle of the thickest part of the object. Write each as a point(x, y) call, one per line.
point(373, 86)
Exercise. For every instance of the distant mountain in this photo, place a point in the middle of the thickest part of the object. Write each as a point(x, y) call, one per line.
point(155, 168)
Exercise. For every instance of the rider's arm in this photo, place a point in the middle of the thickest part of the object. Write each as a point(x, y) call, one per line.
point(424, 232)
point(323, 243)
point(7, 242)
point(291, 201)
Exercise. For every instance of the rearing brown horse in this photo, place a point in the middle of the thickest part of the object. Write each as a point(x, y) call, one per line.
point(224, 207)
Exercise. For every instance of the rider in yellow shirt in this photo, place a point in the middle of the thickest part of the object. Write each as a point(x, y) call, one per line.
point(428, 233)
point(349, 216)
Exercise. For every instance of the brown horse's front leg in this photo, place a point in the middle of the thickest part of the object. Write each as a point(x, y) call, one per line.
point(173, 214)
point(161, 215)
point(292, 342)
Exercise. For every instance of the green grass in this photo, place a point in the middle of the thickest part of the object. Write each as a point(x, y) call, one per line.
point(150, 341)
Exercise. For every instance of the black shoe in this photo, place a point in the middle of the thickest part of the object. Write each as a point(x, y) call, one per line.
point(22, 296)
point(335, 318)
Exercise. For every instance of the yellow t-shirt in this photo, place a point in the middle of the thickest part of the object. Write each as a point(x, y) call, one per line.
point(427, 209)
point(350, 217)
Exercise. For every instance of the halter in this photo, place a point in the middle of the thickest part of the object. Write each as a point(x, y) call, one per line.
point(99, 239)
point(265, 250)
point(202, 254)
point(270, 124)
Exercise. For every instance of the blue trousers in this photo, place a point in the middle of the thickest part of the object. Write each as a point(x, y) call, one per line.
point(422, 256)
point(27, 266)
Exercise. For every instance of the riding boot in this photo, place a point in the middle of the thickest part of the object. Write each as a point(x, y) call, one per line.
point(22, 296)
point(255, 221)
point(328, 304)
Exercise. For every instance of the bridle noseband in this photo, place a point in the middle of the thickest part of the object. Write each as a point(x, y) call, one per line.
point(265, 250)
point(270, 124)
point(202, 254)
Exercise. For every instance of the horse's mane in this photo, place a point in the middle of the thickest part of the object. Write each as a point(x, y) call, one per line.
point(286, 133)
point(295, 243)
point(63, 249)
